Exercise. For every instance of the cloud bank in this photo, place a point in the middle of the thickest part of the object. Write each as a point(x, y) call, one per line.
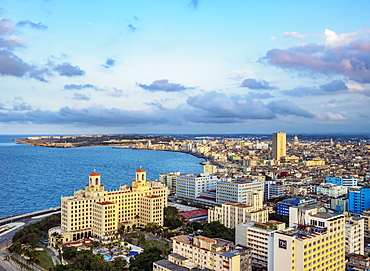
point(163, 85)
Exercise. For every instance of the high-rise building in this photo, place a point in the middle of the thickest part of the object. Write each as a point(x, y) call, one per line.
point(358, 200)
point(278, 145)
point(95, 212)
point(366, 216)
point(316, 242)
point(355, 235)
point(259, 237)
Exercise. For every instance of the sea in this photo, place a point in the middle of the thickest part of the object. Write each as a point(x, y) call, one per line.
point(35, 178)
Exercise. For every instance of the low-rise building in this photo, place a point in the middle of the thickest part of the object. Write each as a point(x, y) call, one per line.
point(228, 190)
point(207, 254)
point(232, 213)
point(332, 190)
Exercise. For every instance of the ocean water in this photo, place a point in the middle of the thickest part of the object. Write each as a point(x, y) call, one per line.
point(34, 178)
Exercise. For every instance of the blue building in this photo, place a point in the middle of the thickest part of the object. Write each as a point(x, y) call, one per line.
point(340, 181)
point(283, 206)
point(358, 200)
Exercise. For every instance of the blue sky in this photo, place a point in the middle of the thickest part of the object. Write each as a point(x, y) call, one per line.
point(182, 66)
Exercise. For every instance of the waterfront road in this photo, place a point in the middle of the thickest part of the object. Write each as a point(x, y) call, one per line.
point(6, 237)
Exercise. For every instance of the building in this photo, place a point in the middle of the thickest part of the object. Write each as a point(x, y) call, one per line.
point(284, 205)
point(278, 145)
point(259, 237)
point(95, 212)
point(315, 241)
point(358, 200)
point(354, 235)
point(332, 190)
point(232, 213)
point(366, 216)
point(214, 254)
point(342, 181)
point(273, 189)
point(169, 179)
point(357, 262)
point(339, 205)
point(228, 190)
point(190, 186)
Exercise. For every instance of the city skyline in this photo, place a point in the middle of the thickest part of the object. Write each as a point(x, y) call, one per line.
point(186, 66)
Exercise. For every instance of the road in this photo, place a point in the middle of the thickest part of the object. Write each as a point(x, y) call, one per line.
point(6, 238)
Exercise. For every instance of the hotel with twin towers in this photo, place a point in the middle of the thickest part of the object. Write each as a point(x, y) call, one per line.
point(95, 212)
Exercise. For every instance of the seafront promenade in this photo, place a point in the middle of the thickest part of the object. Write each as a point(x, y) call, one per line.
point(10, 225)
point(34, 215)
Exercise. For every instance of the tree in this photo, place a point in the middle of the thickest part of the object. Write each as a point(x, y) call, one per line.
point(144, 261)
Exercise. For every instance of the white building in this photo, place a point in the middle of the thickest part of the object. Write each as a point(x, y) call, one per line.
point(232, 213)
point(332, 190)
point(228, 190)
point(355, 235)
point(190, 186)
point(169, 179)
point(259, 237)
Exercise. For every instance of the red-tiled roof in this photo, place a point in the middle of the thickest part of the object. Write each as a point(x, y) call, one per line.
point(140, 170)
point(194, 213)
point(94, 174)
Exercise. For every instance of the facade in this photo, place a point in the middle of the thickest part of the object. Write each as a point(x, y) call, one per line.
point(358, 200)
point(278, 145)
point(284, 205)
point(259, 237)
point(95, 212)
point(169, 179)
point(357, 262)
point(354, 235)
point(190, 186)
point(232, 213)
point(339, 205)
point(273, 189)
point(366, 216)
point(332, 190)
point(316, 242)
point(228, 190)
point(342, 181)
point(214, 254)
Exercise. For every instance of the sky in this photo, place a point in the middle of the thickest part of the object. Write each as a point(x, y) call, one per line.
point(184, 66)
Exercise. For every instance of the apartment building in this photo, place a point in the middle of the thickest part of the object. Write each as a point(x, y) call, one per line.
point(316, 242)
point(169, 179)
point(354, 235)
point(207, 254)
point(190, 186)
point(95, 212)
point(228, 190)
point(332, 190)
point(259, 237)
point(342, 181)
point(366, 216)
point(232, 213)
point(358, 199)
